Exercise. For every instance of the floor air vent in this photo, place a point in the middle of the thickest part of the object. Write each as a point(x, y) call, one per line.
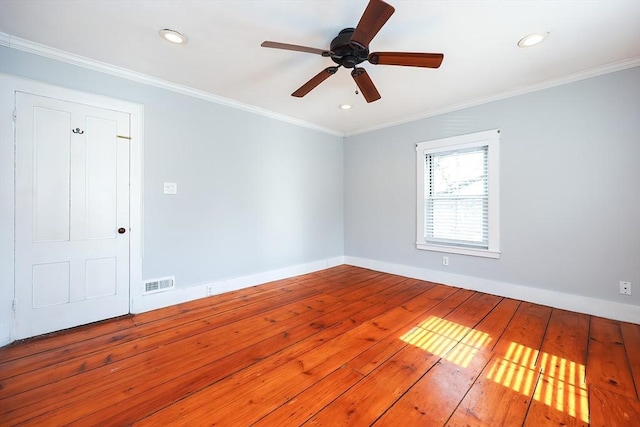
point(159, 285)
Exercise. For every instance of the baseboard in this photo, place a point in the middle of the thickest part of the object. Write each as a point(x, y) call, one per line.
point(571, 302)
point(577, 303)
point(190, 293)
point(5, 335)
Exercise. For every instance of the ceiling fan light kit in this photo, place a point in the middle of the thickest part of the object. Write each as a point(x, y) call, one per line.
point(350, 48)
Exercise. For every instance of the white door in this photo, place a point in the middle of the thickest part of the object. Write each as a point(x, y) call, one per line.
point(71, 214)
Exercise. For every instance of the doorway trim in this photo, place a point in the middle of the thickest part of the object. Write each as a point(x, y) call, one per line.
point(9, 85)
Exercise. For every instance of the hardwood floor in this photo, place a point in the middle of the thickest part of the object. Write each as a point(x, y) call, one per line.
point(344, 346)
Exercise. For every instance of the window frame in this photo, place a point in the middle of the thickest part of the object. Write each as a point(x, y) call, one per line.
point(489, 139)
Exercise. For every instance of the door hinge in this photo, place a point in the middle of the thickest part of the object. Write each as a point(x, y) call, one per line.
point(14, 304)
point(15, 115)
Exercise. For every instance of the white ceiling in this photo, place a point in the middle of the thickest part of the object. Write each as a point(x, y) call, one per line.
point(223, 56)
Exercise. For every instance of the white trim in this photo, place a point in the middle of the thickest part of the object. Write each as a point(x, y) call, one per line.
point(559, 81)
point(577, 303)
point(571, 302)
point(81, 61)
point(6, 212)
point(179, 295)
point(69, 58)
point(485, 253)
point(8, 86)
point(5, 335)
point(468, 140)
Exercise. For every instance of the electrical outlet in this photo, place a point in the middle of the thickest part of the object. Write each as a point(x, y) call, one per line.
point(210, 290)
point(445, 260)
point(625, 287)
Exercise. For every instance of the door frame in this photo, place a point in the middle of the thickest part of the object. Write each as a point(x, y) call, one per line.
point(9, 85)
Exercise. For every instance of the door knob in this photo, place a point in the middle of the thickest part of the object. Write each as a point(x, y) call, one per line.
point(122, 230)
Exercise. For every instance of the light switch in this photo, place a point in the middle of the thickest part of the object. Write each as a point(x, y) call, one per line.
point(170, 188)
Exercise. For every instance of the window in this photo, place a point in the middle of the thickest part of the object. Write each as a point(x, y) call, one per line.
point(458, 194)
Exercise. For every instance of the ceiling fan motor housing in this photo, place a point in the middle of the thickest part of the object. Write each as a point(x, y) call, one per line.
point(344, 53)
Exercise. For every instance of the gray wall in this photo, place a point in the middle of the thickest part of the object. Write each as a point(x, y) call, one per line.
point(254, 194)
point(257, 194)
point(570, 188)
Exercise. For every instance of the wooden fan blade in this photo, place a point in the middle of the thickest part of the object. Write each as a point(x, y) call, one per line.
point(315, 81)
point(374, 17)
point(428, 60)
point(365, 84)
point(295, 47)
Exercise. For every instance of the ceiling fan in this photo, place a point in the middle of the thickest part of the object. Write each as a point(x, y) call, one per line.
point(351, 47)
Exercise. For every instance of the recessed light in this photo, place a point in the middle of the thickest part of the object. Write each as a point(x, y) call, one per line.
point(344, 106)
point(533, 39)
point(173, 36)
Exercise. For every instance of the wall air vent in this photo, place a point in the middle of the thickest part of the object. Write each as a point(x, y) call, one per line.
point(159, 285)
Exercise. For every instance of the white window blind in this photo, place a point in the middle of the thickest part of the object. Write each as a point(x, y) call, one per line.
point(457, 198)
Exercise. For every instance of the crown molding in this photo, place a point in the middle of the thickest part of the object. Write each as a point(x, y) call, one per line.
point(60, 55)
point(570, 78)
point(28, 46)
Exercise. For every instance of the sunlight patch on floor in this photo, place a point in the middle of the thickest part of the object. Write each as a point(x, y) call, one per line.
point(439, 337)
point(555, 381)
point(559, 383)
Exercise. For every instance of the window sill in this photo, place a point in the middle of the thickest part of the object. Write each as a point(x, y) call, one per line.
point(484, 253)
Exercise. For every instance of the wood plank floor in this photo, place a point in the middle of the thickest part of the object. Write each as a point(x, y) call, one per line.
point(344, 346)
